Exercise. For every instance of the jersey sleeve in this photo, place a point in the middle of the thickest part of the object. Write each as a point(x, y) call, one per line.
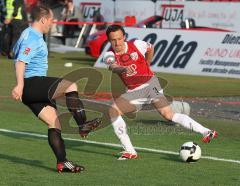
point(142, 46)
point(109, 58)
point(27, 50)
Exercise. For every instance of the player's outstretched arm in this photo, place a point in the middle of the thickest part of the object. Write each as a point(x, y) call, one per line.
point(117, 69)
point(110, 61)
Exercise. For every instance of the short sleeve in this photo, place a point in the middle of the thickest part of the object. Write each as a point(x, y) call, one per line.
point(142, 46)
point(26, 51)
point(109, 58)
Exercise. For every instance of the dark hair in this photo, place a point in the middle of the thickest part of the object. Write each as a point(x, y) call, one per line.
point(114, 28)
point(40, 11)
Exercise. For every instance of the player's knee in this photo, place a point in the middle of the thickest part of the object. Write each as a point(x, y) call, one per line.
point(54, 126)
point(114, 112)
point(167, 115)
point(72, 87)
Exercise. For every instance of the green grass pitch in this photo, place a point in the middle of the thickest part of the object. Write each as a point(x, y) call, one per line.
point(28, 160)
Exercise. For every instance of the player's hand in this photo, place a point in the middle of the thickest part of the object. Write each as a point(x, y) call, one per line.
point(131, 69)
point(17, 92)
point(7, 21)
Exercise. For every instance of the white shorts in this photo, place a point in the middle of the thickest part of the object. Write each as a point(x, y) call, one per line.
point(146, 94)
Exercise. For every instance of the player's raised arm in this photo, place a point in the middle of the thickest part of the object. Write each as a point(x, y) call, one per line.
point(149, 54)
point(146, 49)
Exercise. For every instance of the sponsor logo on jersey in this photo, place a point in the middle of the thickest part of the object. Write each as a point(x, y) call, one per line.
point(134, 70)
point(26, 51)
point(134, 56)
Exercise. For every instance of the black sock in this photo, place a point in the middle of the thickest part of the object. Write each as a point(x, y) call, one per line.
point(75, 106)
point(57, 144)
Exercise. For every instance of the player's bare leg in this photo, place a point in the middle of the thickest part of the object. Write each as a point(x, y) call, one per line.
point(49, 116)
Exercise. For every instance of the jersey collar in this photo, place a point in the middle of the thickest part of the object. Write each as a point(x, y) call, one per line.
point(36, 32)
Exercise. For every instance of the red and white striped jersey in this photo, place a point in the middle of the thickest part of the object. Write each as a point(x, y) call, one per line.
point(134, 56)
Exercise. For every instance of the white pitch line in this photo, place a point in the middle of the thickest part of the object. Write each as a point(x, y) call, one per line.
point(116, 145)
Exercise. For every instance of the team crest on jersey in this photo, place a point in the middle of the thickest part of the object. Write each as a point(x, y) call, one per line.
point(26, 51)
point(134, 56)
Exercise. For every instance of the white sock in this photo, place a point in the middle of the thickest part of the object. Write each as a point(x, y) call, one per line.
point(189, 123)
point(120, 130)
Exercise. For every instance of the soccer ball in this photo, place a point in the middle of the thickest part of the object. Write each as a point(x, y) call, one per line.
point(190, 152)
point(109, 58)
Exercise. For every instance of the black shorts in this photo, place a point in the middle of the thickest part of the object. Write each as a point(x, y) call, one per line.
point(38, 92)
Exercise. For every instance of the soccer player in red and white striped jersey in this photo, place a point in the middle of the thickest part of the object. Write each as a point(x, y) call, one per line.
point(131, 61)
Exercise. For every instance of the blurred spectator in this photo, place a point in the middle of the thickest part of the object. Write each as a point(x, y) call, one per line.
point(2, 11)
point(70, 14)
point(2, 15)
point(15, 21)
point(97, 17)
point(68, 11)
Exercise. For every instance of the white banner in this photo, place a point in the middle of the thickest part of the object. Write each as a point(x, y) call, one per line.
point(140, 9)
point(116, 11)
point(172, 12)
point(224, 15)
point(191, 52)
point(218, 15)
point(88, 7)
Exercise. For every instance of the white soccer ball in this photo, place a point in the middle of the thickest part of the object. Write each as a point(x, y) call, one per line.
point(190, 152)
point(109, 58)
